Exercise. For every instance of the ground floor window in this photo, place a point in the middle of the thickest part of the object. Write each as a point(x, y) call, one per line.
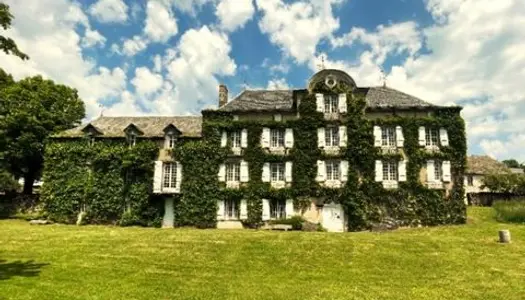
point(277, 209)
point(231, 209)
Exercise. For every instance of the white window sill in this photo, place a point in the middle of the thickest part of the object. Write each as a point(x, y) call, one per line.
point(432, 148)
point(233, 184)
point(278, 184)
point(236, 150)
point(436, 185)
point(333, 184)
point(332, 149)
point(390, 184)
point(331, 116)
point(389, 149)
point(170, 191)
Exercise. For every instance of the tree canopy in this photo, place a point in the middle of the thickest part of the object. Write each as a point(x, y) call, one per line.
point(505, 183)
point(512, 163)
point(7, 44)
point(31, 110)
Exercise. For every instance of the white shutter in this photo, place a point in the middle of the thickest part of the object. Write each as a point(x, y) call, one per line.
point(379, 171)
point(400, 139)
point(343, 138)
point(320, 138)
point(220, 210)
point(244, 138)
point(443, 136)
point(224, 139)
point(319, 100)
point(244, 210)
point(446, 171)
point(288, 171)
point(289, 208)
point(422, 139)
point(222, 172)
point(402, 170)
point(265, 210)
point(265, 138)
point(179, 177)
point(266, 172)
point(244, 172)
point(288, 138)
point(377, 136)
point(321, 171)
point(430, 171)
point(342, 103)
point(344, 170)
point(157, 177)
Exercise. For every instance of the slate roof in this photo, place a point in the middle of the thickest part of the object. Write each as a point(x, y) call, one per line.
point(482, 164)
point(190, 126)
point(264, 100)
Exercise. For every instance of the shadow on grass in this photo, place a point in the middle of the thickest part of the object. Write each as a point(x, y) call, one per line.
point(19, 268)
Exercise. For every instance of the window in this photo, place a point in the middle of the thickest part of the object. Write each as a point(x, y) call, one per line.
point(277, 138)
point(431, 136)
point(389, 171)
point(470, 180)
point(233, 172)
point(331, 103)
point(277, 209)
point(231, 209)
point(332, 170)
point(132, 139)
point(170, 176)
point(172, 139)
point(332, 136)
point(388, 136)
point(91, 140)
point(277, 172)
point(236, 139)
point(438, 174)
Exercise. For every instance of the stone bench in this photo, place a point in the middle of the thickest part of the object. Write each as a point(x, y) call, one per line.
point(277, 227)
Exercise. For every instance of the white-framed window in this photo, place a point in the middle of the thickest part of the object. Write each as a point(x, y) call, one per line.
point(172, 140)
point(231, 209)
point(235, 138)
point(438, 171)
point(388, 136)
point(132, 140)
point(431, 136)
point(277, 209)
point(331, 103)
point(332, 170)
point(233, 172)
point(91, 140)
point(276, 172)
point(390, 170)
point(332, 136)
point(169, 178)
point(277, 138)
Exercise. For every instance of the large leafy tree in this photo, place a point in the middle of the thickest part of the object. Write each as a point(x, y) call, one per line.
point(7, 44)
point(31, 110)
point(512, 163)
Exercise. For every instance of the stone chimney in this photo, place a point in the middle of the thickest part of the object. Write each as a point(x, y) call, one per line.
point(223, 95)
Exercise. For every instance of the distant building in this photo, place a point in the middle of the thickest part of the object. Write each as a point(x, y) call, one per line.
point(478, 166)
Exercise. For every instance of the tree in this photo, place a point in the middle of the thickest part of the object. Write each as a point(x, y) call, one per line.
point(7, 44)
point(31, 110)
point(512, 163)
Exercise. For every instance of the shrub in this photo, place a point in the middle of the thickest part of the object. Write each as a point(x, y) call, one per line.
point(295, 221)
point(510, 211)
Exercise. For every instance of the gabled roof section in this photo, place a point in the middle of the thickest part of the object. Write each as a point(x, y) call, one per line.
point(482, 164)
point(189, 126)
point(90, 129)
point(171, 128)
point(261, 100)
point(132, 128)
point(385, 97)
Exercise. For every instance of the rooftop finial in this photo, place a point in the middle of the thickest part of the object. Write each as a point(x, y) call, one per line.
point(101, 109)
point(321, 66)
point(383, 77)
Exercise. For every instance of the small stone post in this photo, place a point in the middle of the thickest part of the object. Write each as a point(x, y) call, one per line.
point(504, 236)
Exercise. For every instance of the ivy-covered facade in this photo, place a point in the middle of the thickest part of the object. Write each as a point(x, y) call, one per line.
point(343, 156)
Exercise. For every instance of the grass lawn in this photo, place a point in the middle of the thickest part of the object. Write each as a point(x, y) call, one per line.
point(98, 262)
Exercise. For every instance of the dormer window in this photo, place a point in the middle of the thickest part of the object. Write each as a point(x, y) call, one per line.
point(331, 103)
point(171, 140)
point(132, 139)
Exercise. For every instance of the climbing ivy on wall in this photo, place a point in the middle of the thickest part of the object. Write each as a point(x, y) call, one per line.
point(108, 181)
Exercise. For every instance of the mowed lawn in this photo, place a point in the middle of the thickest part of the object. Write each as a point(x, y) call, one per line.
point(99, 262)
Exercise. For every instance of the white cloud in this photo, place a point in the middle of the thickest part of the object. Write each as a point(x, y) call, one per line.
point(110, 11)
point(134, 45)
point(160, 22)
point(188, 6)
point(512, 147)
point(146, 82)
point(297, 28)
point(234, 14)
point(157, 63)
point(93, 38)
point(278, 84)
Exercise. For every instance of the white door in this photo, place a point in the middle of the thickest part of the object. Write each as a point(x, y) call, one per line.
point(333, 218)
point(168, 220)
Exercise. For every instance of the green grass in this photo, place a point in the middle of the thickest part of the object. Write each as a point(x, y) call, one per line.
point(97, 262)
point(510, 211)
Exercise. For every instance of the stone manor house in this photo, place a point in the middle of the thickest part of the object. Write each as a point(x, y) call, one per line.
point(282, 106)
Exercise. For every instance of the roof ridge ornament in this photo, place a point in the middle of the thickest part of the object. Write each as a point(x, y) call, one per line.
point(383, 77)
point(321, 66)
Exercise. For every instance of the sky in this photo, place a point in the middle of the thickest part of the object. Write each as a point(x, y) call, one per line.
point(167, 57)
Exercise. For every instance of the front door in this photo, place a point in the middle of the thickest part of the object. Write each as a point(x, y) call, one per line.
point(168, 220)
point(333, 218)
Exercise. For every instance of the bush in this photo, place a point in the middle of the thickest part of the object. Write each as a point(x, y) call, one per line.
point(295, 221)
point(510, 211)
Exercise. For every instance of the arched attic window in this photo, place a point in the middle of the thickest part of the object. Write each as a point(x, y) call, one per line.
point(171, 135)
point(132, 132)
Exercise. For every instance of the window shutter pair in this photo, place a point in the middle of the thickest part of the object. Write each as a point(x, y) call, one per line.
point(222, 173)
point(321, 138)
point(445, 171)
point(265, 138)
point(342, 103)
point(266, 172)
point(220, 210)
point(288, 138)
point(244, 210)
point(321, 171)
point(224, 139)
point(443, 137)
point(377, 136)
point(244, 138)
point(289, 208)
point(319, 100)
point(157, 177)
point(288, 171)
point(343, 137)
point(422, 136)
point(179, 177)
point(244, 176)
point(265, 210)
point(400, 139)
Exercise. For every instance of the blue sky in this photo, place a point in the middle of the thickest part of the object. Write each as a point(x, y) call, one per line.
point(165, 57)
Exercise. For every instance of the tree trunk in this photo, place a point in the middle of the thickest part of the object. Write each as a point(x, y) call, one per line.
point(29, 180)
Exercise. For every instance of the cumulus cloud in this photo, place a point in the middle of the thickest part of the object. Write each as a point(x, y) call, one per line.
point(93, 38)
point(233, 14)
point(133, 46)
point(109, 11)
point(146, 82)
point(278, 84)
point(160, 22)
